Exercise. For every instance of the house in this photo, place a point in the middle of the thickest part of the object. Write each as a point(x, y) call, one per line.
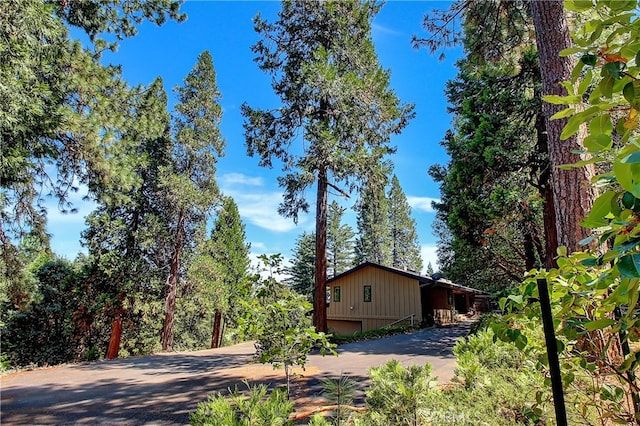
point(372, 296)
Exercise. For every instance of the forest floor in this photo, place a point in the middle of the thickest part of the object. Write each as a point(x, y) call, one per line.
point(163, 389)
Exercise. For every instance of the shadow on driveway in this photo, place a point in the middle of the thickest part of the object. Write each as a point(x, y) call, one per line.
point(163, 389)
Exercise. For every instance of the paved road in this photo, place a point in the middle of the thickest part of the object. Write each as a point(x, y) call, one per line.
point(163, 389)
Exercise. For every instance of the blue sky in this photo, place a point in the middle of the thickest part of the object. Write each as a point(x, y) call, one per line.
point(226, 30)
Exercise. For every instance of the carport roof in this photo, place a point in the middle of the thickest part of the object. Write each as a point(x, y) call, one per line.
point(423, 280)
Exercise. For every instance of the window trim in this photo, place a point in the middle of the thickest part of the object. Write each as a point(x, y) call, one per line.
point(365, 288)
point(337, 293)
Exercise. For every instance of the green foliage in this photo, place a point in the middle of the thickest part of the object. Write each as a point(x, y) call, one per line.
point(217, 280)
point(399, 395)
point(340, 241)
point(238, 409)
point(279, 320)
point(489, 217)
point(477, 355)
point(339, 392)
point(302, 269)
point(405, 246)
point(370, 334)
point(52, 329)
point(594, 294)
point(188, 183)
point(59, 105)
point(373, 243)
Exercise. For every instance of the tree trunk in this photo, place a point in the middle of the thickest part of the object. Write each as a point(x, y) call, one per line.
point(320, 293)
point(215, 334)
point(572, 190)
point(172, 286)
point(116, 336)
point(546, 192)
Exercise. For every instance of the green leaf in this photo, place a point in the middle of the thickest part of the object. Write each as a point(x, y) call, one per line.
point(629, 201)
point(606, 85)
point(598, 324)
point(602, 207)
point(627, 171)
point(629, 266)
point(585, 83)
point(562, 100)
point(598, 142)
point(562, 251)
point(570, 51)
point(580, 163)
point(578, 5)
point(631, 93)
point(631, 158)
point(562, 114)
point(589, 59)
point(614, 69)
point(516, 298)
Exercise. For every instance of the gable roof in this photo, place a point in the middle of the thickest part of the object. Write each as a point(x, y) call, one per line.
point(423, 280)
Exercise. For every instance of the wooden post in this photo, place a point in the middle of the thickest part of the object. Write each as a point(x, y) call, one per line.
point(552, 353)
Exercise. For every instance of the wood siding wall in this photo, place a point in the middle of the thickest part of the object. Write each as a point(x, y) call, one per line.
point(393, 297)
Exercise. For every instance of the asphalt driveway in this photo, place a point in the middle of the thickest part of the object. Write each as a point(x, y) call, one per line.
point(163, 389)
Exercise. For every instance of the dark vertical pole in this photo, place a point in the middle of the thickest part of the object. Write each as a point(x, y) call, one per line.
point(552, 353)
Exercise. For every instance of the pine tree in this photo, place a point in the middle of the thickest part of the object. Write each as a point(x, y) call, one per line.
point(340, 241)
point(302, 269)
point(405, 247)
point(230, 253)
point(190, 184)
point(373, 243)
point(429, 270)
point(127, 233)
point(495, 188)
point(60, 108)
point(325, 71)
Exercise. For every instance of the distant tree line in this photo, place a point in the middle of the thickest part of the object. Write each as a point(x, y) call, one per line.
point(386, 235)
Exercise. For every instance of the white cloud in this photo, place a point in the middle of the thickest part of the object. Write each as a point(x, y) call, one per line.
point(422, 203)
point(229, 179)
point(256, 206)
point(262, 210)
point(429, 254)
point(384, 30)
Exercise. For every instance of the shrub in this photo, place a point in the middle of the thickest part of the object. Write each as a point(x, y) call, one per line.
point(398, 395)
point(339, 392)
point(237, 409)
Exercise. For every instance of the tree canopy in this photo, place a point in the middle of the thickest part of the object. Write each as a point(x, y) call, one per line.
point(325, 71)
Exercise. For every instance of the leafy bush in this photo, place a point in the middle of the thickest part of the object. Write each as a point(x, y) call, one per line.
point(237, 409)
point(278, 319)
point(398, 395)
point(371, 334)
point(478, 354)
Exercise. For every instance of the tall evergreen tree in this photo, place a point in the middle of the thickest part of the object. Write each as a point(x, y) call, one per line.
point(303, 261)
point(373, 243)
point(405, 246)
point(58, 104)
point(325, 71)
point(340, 241)
point(190, 184)
point(127, 233)
point(230, 252)
point(495, 191)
